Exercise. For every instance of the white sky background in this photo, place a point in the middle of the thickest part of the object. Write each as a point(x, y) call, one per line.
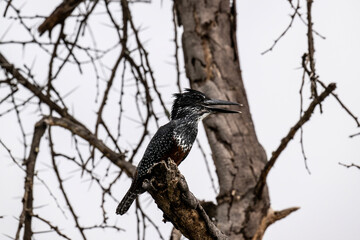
point(329, 197)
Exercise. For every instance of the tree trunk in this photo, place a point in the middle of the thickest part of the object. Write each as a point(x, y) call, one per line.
point(212, 66)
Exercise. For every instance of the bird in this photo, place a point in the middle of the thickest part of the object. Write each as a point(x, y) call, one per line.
point(174, 139)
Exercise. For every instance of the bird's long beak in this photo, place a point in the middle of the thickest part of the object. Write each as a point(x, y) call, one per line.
point(212, 102)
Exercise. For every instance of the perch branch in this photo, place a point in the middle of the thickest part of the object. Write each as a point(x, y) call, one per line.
point(170, 191)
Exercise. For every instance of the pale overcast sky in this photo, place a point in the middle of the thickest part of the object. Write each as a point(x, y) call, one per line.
point(328, 197)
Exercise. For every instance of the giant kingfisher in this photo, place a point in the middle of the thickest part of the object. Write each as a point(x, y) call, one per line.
point(175, 139)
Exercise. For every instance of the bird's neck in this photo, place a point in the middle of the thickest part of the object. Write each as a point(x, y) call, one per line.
point(185, 130)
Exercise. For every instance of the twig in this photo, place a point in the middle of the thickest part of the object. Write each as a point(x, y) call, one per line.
point(62, 189)
point(341, 104)
point(11, 156)
point(296, 9)
point(354, 135)
point(301, 129)
point(176, 55)
point(53, 227)
point(116, 158)
point(207, 165)
point(303, 21)
point(349, 166)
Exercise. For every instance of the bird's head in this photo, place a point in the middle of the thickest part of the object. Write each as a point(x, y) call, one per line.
point(195, 103)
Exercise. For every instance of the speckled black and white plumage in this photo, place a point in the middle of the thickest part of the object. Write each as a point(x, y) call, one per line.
point(173, 140)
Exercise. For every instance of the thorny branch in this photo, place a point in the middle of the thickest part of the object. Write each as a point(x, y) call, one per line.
point(310, 55)
point(27, 212)
point(309, 68)
point(137, 84)
point(308, 65)
point(59, 15)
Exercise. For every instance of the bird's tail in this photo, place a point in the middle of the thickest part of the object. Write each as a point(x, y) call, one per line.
point(126, 202)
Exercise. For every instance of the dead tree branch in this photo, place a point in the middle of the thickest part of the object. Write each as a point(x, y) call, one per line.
point(27, 212)
point(311, 52)
point(342, 104)
point(59, 15)
point(354, 135)
point(270, 218)
point(37, 91)
point(292, 17)
point(170, 191)
point(349, 166)
point(68, 121)
point(84, 133)
point(284, 142)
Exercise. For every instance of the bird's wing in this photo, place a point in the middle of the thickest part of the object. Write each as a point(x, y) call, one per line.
point(159, 148)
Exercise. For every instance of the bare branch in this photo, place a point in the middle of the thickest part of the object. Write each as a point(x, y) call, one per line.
point(68, 121)
point(349, 166)
point(10, 69)
point(284, 142)
point(59, 15)
point(270, 218)
point(62, 188)
point(176, 55)
point(311, 51)
point(53, 227)
point(116, 158)
point(296, 9)
point(354, 135)
point(342, 104)
point(27, 212)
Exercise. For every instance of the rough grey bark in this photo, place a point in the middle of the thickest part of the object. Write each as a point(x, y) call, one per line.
point(212, 66)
